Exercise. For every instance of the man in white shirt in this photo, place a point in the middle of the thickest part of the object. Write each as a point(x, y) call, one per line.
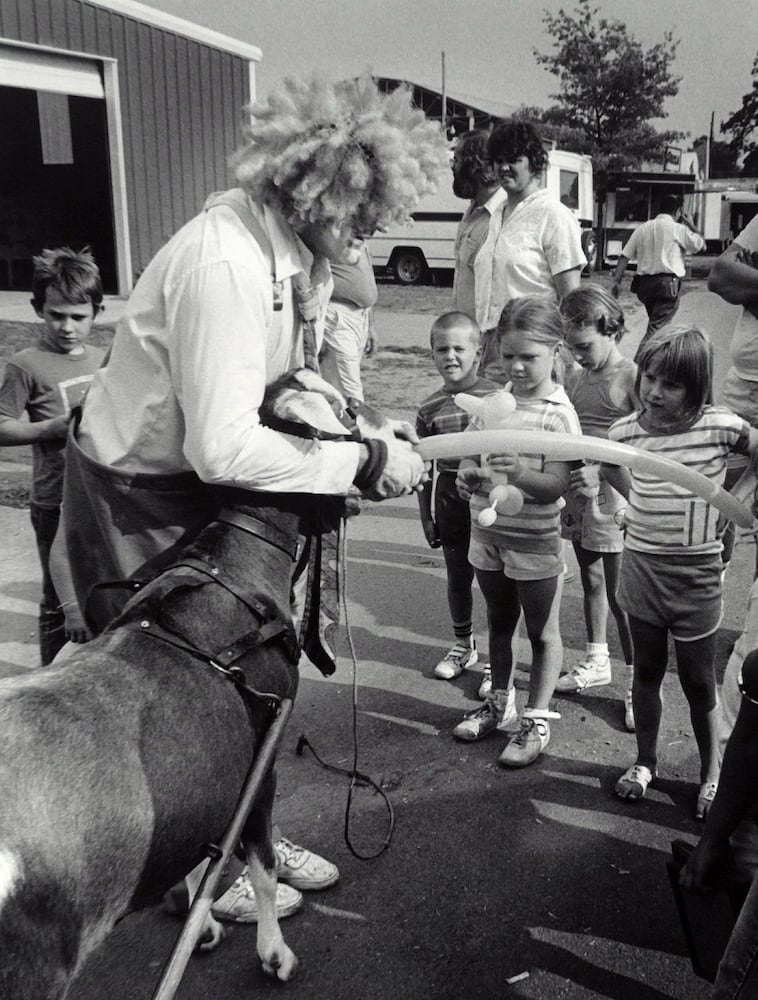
point(474, 177)
point(659, 246)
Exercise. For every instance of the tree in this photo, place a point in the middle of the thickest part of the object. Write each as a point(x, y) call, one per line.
point(742, 125)
point(610, 86)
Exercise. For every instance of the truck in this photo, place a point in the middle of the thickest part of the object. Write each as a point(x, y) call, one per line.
point(410, 253)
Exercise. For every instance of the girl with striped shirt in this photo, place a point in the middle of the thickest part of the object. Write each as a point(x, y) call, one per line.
point(670, 580)
point(518, 560)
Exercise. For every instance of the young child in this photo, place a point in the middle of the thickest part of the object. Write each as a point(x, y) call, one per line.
point(455, 347)
point(518, 561)
point(670, 580)
point(45, 382)
point(602, 390)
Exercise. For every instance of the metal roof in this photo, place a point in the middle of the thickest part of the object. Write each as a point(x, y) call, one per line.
point(180, 26)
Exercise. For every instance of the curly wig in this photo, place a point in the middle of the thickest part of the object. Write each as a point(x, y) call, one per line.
point(338, 153)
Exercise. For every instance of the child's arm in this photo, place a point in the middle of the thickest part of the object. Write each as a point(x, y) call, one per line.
point(618, 477)
point(544, 486)
point(16, 432)
point(470, 476)
point(76, 630)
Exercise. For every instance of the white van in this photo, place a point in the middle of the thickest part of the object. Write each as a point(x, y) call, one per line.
point(410, 252)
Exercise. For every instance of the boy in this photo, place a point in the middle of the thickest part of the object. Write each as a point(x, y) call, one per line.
point(455, 343)
point(46, 382)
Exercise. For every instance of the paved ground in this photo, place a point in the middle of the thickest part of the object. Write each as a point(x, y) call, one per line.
point(490, 873)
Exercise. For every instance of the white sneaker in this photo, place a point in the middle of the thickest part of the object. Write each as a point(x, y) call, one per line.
point(301, 868)
point(455, 661)
point(486, 686)
point(239, 905)
point(593, 672)
point(528, 743)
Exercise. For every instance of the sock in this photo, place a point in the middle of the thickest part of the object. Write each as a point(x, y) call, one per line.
point(597, 650)
point(464, 633)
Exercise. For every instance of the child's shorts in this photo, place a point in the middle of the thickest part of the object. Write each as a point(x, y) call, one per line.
point(592, 522)
point(487, 554)
point(679, 592)
point(451, 512)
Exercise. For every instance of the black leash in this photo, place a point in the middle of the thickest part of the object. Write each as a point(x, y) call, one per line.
point(357, 778)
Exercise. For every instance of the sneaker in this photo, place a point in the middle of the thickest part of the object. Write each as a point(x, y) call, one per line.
point(302, 869)
point(239, 905)
point(486, 686)
point(528, 743)
point(489, 717)
point(628, 712)
point(592, 673)
point(455, 661)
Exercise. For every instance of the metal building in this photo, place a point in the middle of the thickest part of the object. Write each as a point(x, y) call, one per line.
point(116, 121)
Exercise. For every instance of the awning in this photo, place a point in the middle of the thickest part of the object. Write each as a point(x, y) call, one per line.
point(59, 74)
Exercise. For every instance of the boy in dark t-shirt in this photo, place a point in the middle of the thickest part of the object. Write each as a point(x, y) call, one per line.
point(455, 343)
point(41, 386)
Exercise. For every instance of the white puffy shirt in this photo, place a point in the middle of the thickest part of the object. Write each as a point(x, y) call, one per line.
point(191, 359)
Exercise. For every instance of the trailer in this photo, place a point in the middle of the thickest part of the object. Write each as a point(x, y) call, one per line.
point(723, 212)
point(410, 253)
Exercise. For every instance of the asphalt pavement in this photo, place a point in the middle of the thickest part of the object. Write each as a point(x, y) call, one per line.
point(490, 874)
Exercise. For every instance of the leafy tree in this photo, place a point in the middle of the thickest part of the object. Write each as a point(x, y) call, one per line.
point(610, 87)
point(742, 125)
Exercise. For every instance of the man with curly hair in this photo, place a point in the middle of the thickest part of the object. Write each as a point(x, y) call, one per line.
point(232, 302)
point(474, 178)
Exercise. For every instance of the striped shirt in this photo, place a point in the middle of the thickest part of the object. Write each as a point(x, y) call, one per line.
point(438, 414)
point(536, 528)
point(663, 517)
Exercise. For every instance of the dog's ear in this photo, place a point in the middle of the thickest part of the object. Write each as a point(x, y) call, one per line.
point(310, 411)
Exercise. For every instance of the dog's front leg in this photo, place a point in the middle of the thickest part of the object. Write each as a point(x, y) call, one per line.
point(276, 956)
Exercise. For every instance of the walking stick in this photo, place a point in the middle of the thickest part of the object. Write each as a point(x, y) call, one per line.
point(195, 922)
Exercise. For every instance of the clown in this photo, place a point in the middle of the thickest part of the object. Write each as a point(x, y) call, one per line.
point(226, 307)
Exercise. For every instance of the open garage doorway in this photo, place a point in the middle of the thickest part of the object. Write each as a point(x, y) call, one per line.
point(55, 179)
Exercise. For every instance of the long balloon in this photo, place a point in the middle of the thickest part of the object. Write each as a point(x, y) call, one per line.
point(574, 447)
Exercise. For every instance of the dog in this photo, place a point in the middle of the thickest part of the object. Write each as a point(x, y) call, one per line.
point(118, 765)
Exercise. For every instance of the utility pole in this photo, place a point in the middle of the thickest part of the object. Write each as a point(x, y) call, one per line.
point(444, 97)
point(708, 145)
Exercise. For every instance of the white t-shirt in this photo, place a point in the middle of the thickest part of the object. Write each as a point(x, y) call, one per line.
point(198, 344)
point(540, 237)
point(659, 246)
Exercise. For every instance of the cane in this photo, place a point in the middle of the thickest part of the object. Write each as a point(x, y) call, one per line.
point(195, 922)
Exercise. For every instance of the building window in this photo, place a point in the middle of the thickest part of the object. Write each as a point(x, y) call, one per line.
point(570, 188)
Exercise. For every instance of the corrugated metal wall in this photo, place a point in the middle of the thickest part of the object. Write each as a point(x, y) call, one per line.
point(181, 104)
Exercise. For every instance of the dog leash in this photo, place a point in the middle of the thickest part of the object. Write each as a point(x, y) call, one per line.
point(357, 778)
point(201, 906)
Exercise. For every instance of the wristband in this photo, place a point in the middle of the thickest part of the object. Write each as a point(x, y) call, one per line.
point(374, 467)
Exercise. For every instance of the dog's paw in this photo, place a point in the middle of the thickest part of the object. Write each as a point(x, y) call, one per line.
point(280, 963)
point(212, 935)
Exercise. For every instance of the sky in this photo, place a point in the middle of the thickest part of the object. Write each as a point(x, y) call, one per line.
point(488, 45)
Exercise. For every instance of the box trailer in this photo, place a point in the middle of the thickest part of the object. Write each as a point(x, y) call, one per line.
point(409, 253)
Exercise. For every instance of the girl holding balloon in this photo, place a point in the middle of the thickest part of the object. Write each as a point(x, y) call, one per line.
point(670, 580)
point(516, 547)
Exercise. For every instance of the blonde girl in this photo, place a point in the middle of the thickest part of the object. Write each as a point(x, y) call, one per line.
point(518, 560)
